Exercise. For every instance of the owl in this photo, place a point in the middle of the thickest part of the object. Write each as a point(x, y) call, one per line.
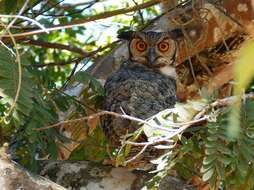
point(143, 85)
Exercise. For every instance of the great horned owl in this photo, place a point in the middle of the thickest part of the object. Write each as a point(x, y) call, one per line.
point(143, 85)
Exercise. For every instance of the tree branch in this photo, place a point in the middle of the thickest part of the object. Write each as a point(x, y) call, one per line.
point(70, 6)
point(197, 119)
point(81, 22)
point(62, 63)
point(77, 59)
point(54, 46)
point(124, 116)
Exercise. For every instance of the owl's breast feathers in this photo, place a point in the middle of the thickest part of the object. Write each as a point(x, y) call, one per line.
point(138, 91)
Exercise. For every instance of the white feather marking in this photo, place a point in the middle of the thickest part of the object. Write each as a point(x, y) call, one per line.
point(168, 71)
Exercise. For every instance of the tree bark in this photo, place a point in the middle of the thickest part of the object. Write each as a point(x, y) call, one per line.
point(14, 177)
point(95, 176)
point(78, 175)
point(205, 26)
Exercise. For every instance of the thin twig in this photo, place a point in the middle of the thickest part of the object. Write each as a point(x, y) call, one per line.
point(222, 102)
point(70, 6)
point(77, 59)
point(140, 14)
point(81, 22)
point(20, 13)
point(53, 45)
point(89, 5)
point(128, 117)
point(73, 71)
point(42, 11)
point(61, 63)
point(18, 60)
point(137, 155)
point(198, 118)
point(10, 50)
point(145, 143)
point(43, 29)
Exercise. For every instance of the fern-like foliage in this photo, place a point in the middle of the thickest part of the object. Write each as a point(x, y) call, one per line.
point(211, 154)
point(30, 112)
point(30, 143)
point(93, 91)
point(9, 81)
point(230, 160)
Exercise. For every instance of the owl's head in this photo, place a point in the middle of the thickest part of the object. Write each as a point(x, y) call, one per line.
point(152, 49)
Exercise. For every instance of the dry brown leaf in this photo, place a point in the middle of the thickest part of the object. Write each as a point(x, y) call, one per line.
point(221, 78)
point(197, 181)
point(250, 28)
point(76, 132)
point(92, 123)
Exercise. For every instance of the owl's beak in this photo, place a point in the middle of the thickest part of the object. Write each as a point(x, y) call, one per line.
point(151, 56)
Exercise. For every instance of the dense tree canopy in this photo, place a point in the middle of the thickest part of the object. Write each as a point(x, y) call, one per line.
point(51, 84)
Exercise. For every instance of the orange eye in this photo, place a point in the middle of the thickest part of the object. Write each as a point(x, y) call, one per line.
point(141, 46)
point(163, 46)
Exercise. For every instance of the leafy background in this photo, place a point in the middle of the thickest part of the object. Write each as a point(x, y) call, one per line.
point(43, 95)
point(209, 153)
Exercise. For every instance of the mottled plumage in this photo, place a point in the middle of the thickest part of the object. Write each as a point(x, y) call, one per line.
point(143, 85)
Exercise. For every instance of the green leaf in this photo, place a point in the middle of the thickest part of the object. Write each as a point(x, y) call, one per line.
point(243, 65)
point(210, 151)
point(220, 171)
point(89, 80)
point(223, 149)
point(93, 148)
point(208, 174)
point(207, 167)
point(211, 144)
point(225, 159)
point(9, 81)
point(10, 5)
point(209, 159)
point(212, 138)
point(52, 148)
point(246, 152)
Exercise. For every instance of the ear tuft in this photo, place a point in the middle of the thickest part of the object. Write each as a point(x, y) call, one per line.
point(176, 33)
point(126, 35)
